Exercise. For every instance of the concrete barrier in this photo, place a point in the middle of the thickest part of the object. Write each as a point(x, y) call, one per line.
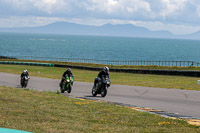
point(78, 67)
point(160, 72)
point(139, 71)
point(27, 63)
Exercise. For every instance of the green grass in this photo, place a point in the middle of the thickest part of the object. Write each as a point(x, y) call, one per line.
point(47, 112)
point(160, 81)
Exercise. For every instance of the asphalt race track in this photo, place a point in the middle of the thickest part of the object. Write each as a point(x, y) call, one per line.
point(178, 102)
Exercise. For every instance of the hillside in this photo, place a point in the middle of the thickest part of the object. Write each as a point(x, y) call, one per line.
point(127, 30)
point(104, 30)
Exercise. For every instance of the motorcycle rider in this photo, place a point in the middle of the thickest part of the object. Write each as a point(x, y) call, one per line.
point(24, 74)
point(102, 75)
point(69, 73)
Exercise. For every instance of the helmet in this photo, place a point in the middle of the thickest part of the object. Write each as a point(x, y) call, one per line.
point(106, 69)
point(68, 69)
point(25, 71)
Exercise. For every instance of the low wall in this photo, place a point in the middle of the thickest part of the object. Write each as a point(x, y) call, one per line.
point(139, 71)
point(6, 57)
point(27, 63)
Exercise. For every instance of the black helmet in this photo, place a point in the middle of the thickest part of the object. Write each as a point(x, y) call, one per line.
point(106, 69)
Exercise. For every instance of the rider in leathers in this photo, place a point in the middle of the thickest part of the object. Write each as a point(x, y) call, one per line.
point(102, 75)
point(67, 72)
point(24, 74)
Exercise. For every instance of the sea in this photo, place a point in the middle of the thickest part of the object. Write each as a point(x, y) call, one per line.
point(98, 47)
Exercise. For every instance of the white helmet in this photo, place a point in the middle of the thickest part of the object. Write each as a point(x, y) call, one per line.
point(25, 71)
point(106, 69)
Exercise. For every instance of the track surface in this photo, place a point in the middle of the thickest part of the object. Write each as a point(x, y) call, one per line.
point(183, 102)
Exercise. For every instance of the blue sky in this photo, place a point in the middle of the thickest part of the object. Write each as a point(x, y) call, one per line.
point(176, 16)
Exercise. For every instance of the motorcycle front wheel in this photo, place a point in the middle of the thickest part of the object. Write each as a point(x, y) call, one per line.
point(103, 92)
point(22, 83)
point(69, 89)
point(25, 84)
point(62, 90)
point(94, 93)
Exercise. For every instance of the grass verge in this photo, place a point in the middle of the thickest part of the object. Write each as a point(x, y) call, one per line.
point(160, 81)
point(49, 112)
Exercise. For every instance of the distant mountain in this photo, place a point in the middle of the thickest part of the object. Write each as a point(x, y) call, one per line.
point(104, 30)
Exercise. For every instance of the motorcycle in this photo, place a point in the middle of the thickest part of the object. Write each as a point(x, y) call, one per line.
point(24, 81)
point(101, 87)
point(67, 84)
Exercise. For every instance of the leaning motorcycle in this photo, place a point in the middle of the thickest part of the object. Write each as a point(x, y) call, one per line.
point(24, 81)
point(67, 84)
point(101, 87)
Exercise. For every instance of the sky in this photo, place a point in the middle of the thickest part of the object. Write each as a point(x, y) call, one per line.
point(176, 16)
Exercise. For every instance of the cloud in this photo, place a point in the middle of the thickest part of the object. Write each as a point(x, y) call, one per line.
point(171, 7)
point(34, 7)
point(116, 8)
point(95, 8)
point(50, 6)
point(167, 12)
point(120, 6)
point(157, 10)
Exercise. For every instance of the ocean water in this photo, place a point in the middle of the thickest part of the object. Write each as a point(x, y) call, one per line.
point(99, 47)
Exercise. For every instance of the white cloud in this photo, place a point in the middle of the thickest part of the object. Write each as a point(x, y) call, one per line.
point(197, 7)
point(45, 5)
point(171, 7)
point(119, 7)
point(37, 6)
point(108, 6)
point(50, 6)
point(153, 14)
